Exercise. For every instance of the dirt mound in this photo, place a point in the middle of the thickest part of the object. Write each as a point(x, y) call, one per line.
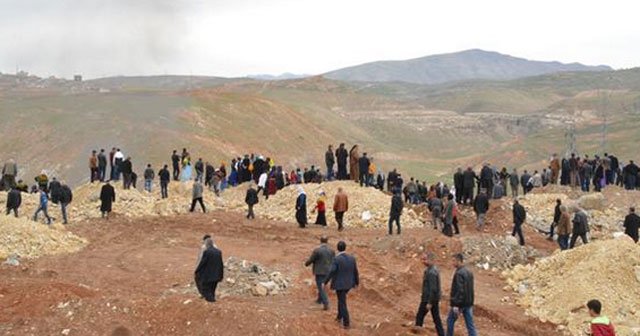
point(497, 253)
point(557, 288)
point(242, 278)
point(362, 202)
point(29, 239)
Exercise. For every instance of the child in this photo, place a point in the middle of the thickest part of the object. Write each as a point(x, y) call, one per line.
point(600, 325)
point(321, 208)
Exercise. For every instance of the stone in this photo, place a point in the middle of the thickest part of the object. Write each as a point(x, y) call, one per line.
point(593, 201)
point(259, 290)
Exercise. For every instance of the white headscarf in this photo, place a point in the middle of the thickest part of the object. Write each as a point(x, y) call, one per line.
point(301, 191)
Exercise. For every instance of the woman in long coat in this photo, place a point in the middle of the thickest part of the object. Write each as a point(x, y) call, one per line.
point(107, 197)
point(301, 208)
point(354, 156)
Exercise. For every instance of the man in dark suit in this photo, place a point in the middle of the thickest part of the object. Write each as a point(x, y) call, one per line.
point(343, 276)
point(431, 293)
point(210, 271)
point(321, 258)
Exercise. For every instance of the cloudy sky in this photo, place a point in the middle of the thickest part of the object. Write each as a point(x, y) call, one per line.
point(238, 37)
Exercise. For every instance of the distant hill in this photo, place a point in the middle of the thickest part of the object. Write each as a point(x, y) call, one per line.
point(286, 75)
point(163, 82)
point(464, 65)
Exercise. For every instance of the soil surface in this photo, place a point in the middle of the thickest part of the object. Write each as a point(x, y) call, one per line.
point(120, 284)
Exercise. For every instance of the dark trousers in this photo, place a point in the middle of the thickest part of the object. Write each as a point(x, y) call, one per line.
point(102, 171)
point(435, 314)
point(250, 213)
point(342, 171)
point(364, 179)
point(46, 214)
point(63, 209)
point(15, 211)
point(207, 290)
point(322, 295)
point(563, 242)
point(517, 229)
point(164, 189)
point(455, 225)
point(339, 219)
point(321, 219)
point(394, 218)
point(94, 174)
point(176, 172)
point(468, 195)
point(197, 200)
point(575, 236)
point(551, 229)
point(343, 311)
point(126, 180)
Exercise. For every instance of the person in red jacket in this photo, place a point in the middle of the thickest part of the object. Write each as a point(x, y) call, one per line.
point(321, 207)
point(600, 325)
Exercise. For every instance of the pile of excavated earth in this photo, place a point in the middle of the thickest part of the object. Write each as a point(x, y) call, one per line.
point(557, 288)
point(242, 277)
point(497, 253)
point(23, 238)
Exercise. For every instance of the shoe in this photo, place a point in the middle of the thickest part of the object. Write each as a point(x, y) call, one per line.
point(325, 307)
point(346, 327)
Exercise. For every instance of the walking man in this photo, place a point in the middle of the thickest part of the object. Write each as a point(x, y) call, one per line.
point(165, 178)
point(343, 276)
point(580, 228)
point(66, 196)
point(210, 271)
point(340, 206)
point(564, 227)
point(14, 200)
point(251, 199)
point(461, 297)
point(480, 207)
point(198, 190)
point(44, 201)
point(631, 224)
point(396, 211)
point(431, 293)
point(519, 216)
point(556, 217)
point(321, 258)
point(149, 175)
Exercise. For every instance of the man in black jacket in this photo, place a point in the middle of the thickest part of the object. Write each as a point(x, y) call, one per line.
point(14, 200)
point(462, 297)
point(102, 165)
point(341, 156)
point(321, 258)
point(329, 160)
point(631, 224)
point(363, 165)
point(199, 170)
point(480, 207)
point(458, 183)
point(165, 178)
point(580, 228)
point(556, 218)
point(107, 197)
point(519, 216)
point(175, 160)
point(396, 211)
point(468, 182)
point(127, 171)
point(210, 271)
point(55, 190)
point(431, 293)
point(343, 276)
point(251, 199)
point(524, 182)
point(66, 196)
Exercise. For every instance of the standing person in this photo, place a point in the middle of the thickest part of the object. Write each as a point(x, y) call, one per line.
point(165, 178)
point(209, 171)
point(9, 173)
point(468, 183)
point(461, 297)
point(600, 325)
point(555, 168)
point(66, 196)
point(573, 171)
point(118, 159)
point(210, 271)
point(329, 160)
point(342, 155)
point(112, 154)
point(395, 212)
point(435, 205)
point(14, 200)
point(580, 228)
point(556, 217)
point(126, 167)
point(340, 206)
point(93, 166)
point(343, 276)
point(321, 258)
point(363, 170)
point(519, 216)
point(301, 208)
point(514, 180)
point(354, 158)
point(321, 208)
point(149, 175)
point(458, 184)
point(196, 194)
point(480, 207)
point(524, 181)
point(630, 173)
point(175, 161)
point(262, 185)
point(44, 201)
point(199, 170)
point(631, 224)
point(107, 198)
point(564, 228)
point(431, 294)
point(251, 199)
point(102, 165)
point(450, 215)
point(55, 189)
point(43, 181)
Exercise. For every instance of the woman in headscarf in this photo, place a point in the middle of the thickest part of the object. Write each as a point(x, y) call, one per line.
point(186, 173)
point(321, 207)
point(354, 157)
point(301, 207)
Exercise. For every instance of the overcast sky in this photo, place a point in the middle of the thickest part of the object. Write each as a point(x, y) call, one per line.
point(238, 37)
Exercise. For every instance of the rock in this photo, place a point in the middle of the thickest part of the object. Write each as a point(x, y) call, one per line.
point(593, 201)
point(66, 331)
point(259, 290)
point(186, 302)
point(269, 285)
point(511, 240)
point(12, 260)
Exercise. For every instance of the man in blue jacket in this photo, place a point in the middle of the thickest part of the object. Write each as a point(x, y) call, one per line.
point(44, 201)
point(343, 276)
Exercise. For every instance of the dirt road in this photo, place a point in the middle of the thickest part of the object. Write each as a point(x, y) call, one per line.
point(120, 284)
